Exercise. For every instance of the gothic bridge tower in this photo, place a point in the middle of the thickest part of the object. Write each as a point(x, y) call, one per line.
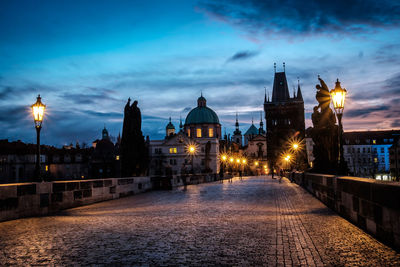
point(284, 117)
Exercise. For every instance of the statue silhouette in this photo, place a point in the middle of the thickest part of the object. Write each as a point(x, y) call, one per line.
point(134, 155)
point(324, 132)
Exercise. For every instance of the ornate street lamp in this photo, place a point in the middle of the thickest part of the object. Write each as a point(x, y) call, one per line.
point(191, 149)
point(38, 113)
point(338, 96)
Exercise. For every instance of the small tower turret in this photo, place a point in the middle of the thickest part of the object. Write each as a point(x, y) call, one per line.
point(170, 129)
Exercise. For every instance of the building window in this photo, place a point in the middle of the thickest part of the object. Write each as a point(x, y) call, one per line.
point(198, 132)
point(172, 150)
point(358, 150)
point(157, 151)
point(363, 149)
point(369, 150)
point(382, 150)
point(374, 141)
point(375, 160)
point(210, 132)
point(188, 132)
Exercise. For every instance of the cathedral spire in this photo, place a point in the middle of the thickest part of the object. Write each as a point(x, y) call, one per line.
point(299, 95)
point(237, 122)
point(265, 95)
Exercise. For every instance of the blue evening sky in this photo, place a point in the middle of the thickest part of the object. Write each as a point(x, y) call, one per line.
point(86, 58)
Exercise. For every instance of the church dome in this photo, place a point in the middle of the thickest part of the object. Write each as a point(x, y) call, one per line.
point(170, 125)
point(201, 114)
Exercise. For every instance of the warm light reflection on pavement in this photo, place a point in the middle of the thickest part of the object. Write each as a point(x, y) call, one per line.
point(254, 221)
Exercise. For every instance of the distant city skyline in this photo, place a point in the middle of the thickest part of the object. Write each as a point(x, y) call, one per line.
point(86, 58)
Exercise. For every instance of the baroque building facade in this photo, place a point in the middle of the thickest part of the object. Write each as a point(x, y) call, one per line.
point(201, 130)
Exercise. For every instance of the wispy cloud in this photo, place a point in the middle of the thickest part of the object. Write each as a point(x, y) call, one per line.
point(242, 55)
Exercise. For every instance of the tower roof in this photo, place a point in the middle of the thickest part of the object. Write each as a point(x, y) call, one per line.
point(170, 125)
point(299, 95)
point(252, 130)
point(280, 90)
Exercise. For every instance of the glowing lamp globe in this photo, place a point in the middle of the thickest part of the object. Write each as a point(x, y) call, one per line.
point(338, 96)
point(38, 112)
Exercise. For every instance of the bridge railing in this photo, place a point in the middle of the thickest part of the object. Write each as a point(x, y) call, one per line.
point(34, 199)
point(370, 204)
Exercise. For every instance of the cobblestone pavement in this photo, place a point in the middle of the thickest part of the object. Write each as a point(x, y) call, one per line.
point(250, 222)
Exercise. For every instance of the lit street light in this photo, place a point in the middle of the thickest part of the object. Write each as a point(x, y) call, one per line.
point(191, 149)
point(338, 96)
point(38, 113)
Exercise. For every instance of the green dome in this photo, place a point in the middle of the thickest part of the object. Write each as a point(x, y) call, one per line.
point(201, 115)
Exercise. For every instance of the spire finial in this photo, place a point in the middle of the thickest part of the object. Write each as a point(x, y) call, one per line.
point(298, 82)
point(318, 76)
point(201, 93)
point(284, 67)
point(265, 95)
point(252, 120)
point(274, 67)
point(169, 119)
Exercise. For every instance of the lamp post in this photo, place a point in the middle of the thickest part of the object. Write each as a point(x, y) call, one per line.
point(224, 158)
point(338, 95)
point(192, 151)
point(38, 113)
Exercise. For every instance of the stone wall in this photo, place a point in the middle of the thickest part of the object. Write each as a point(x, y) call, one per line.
point(370, 204)
point(35, 199)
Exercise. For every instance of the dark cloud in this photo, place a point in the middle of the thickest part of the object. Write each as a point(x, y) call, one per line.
point(306, 17)
point(365, 111)
point(6, 92)
point(242, 55)
point(396, 123)
point(97, 95)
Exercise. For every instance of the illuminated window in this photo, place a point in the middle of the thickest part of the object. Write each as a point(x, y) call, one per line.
point(374, 141)
point(117, 157)
point(172, 150)
point(47, 168)
point(188, 131)
point(198, 132)
point(375, 160)
point(210, 132)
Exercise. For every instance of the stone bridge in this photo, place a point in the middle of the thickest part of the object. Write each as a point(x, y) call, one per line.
point(254, 221)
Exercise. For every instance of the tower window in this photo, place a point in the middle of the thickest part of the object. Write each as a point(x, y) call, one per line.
point(198, 132)
point(188, 132)
point(172, 150)
point(210, 132)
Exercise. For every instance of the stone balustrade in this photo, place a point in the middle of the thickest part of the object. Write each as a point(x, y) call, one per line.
point(35, 199)
point(370, 204)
